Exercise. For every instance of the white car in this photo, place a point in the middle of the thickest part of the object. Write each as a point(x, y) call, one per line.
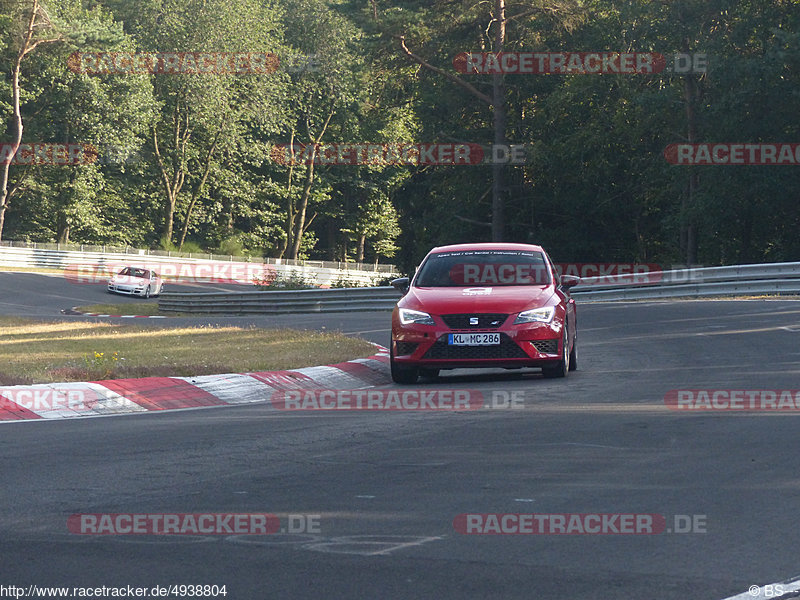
point(136, 282)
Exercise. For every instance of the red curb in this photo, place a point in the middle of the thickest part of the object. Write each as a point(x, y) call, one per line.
point(170, 393)
point(161, 393)
point(16, 414)
point(283, 380)
point(362, 371)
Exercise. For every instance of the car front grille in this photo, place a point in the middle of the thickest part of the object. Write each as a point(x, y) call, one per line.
point(485, 320)
point(546, 346)
point(506, 349)
point(404, 348)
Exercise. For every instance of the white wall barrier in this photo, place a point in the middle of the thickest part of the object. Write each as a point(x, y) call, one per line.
point(89, 267)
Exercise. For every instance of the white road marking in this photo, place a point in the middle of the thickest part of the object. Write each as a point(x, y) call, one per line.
point(365, 545)
point(384, 329)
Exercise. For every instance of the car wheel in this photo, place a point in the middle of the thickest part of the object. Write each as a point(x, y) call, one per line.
point(561, 369)
point(147, 292)
point(429, 373)
point(400, 374)
point(573, 355)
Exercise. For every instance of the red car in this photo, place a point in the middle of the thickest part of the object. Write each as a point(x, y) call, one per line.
point(484, 305)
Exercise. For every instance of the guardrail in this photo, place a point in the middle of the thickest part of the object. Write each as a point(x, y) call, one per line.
point(103, 263)
point(771, 278)
point(775, 278)
point(282, 302)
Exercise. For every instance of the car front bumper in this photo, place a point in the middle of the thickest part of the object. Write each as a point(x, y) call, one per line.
point(523, 345)
point(128, 290)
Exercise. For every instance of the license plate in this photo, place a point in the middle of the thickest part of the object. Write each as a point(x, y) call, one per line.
point(473, 339)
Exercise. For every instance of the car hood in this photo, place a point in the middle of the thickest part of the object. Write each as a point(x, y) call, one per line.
point(455, 300)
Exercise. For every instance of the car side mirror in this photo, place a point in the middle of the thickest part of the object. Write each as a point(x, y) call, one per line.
point(401, 284)
point(568, 281)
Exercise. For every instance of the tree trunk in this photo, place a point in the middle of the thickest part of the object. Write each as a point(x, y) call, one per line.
point(36, 20)
point(289, 223)
point(499, 108)
point(362, 238)
point(63, 230)
point(299, 225)
point(15, 92)
point(199, 188)
point(173, 185)
point(6, 167)
point(689, 233)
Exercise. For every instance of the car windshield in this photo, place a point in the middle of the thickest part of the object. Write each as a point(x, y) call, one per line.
point(483, 267)
point(133, 272)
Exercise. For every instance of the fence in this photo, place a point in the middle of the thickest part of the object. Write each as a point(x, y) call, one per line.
point(116, 250)
point(324, 272)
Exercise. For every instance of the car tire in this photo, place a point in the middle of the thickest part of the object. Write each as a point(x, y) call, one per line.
point(573, 355)
point(147, 292)
point(400, 374)
point(562, 367)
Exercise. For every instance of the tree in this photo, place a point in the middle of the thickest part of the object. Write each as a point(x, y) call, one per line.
point(203, 117)
point(31, 27)
point(498, 21)
point(320, 96)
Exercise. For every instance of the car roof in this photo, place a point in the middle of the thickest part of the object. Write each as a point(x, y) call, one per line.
point(487, 246)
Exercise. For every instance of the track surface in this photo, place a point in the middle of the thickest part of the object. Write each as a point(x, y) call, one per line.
point(44, 296)
point(599, 441)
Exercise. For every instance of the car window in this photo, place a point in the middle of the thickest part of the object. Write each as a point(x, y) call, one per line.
point(553, 270)
point(483, 268)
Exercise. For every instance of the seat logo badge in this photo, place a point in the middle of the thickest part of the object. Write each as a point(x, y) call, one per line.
point(473, 320)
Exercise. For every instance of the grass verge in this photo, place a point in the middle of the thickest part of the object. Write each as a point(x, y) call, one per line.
point(139, 308)
point(45, 352)
point(31, 270)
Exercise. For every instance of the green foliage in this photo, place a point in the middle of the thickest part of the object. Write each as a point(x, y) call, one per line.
point(232, 246)
point(191, 247)
point(291, 280)
point(595, 186)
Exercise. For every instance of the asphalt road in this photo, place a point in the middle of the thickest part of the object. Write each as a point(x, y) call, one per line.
point(40, 294)
point(387, 486)
point(45, 296)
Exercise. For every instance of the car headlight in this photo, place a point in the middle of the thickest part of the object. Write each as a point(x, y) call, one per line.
point(415, 316)
point(537, 315)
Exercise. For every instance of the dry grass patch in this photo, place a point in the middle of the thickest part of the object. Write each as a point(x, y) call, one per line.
point(31, 270)
point(138, 308)
point(37, 352)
